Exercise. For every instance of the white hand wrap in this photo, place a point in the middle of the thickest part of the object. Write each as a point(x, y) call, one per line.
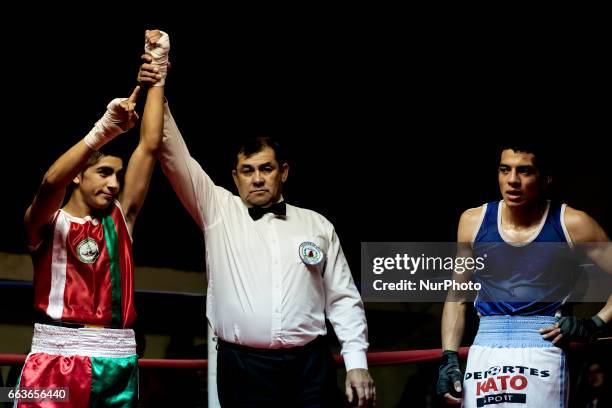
point(159, 51)
point(109, 126)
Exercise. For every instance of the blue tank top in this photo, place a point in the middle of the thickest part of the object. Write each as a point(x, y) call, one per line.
point(527, 278)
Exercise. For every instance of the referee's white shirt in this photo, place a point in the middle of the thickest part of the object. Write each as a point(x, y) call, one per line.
point(261, 293)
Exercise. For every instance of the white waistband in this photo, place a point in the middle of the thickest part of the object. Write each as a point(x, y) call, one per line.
point(89, 342)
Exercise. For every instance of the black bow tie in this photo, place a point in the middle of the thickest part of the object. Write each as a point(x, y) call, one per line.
point(258, 212)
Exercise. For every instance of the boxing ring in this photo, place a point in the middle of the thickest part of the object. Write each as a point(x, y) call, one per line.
point(161, 375)
point(196, 369)
point(390, 358)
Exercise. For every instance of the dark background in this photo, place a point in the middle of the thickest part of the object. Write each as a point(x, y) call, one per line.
point(391, 119)
point(391, 130)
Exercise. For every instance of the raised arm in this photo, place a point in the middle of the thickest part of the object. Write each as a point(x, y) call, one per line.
point(118, 118)
point(142, 162)
point(191, 184)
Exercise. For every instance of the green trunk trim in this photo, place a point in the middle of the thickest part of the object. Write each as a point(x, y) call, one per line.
point(110, 236)
point(114, 382)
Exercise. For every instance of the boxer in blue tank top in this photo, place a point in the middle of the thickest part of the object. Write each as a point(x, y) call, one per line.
point(515, 360)
point(525, 280)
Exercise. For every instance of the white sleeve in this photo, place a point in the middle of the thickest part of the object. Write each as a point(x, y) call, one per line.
point(344, 307)
point(192, 185)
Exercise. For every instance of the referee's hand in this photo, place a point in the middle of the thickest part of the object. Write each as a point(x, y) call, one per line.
point(359, 379)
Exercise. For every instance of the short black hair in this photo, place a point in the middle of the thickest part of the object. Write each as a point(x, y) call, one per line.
point(96, 156)
point(540, 150)
point(121, 147)
point(254, 144)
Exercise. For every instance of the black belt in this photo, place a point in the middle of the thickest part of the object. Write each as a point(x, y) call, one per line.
point(318, 342)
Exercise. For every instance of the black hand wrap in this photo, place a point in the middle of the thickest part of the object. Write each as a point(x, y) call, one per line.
point(580, 329)
point(449, 373)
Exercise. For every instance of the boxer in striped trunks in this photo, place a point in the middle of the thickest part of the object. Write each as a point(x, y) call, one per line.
point(83, 267)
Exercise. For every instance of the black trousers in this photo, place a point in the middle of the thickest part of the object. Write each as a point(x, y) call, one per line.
point(296, 377)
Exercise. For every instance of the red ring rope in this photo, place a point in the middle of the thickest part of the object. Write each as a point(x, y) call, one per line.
point(382, 358)
point(374, 359)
